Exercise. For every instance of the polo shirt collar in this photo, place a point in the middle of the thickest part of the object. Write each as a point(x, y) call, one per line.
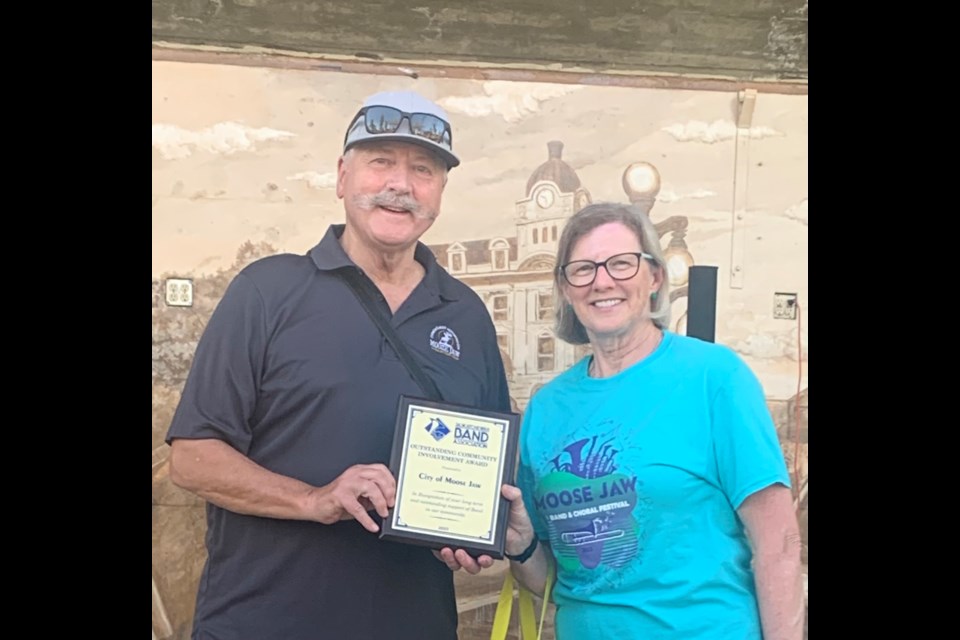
point(329, 255)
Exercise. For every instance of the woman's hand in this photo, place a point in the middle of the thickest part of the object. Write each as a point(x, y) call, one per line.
point(519, 537)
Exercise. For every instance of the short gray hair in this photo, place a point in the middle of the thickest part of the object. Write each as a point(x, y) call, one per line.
point(568, 328)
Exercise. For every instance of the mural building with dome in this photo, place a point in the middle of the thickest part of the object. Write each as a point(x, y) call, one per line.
point(514, 274)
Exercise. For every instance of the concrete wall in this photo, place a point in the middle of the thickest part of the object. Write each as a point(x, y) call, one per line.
point(244, 161)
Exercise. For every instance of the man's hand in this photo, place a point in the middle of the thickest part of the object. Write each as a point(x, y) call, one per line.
point(359, 489)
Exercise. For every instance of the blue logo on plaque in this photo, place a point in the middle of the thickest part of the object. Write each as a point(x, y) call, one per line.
point(437, 429)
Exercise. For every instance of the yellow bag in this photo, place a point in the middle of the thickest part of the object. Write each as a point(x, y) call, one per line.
point(529, 630)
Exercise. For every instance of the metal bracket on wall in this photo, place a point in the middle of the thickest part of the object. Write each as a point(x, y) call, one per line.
point(746, 100)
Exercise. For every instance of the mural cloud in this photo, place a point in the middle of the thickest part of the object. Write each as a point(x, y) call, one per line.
point(316, 180)
point(512, 101)
point(668, 195)
point(716, 131)
point(770, 346)
point(223, 138)
point(798, 212)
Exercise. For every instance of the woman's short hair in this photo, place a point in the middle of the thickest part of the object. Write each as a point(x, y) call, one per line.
point(568, 328)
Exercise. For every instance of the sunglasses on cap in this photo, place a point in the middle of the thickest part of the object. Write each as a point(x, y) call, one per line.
point(380, 120)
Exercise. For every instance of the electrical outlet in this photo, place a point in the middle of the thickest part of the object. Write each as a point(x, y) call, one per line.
point(179, 292)
point(785, 306)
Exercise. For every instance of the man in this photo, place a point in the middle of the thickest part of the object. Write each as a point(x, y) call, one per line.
point(287, 417)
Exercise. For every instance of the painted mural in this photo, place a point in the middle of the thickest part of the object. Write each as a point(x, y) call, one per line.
point(244, 165)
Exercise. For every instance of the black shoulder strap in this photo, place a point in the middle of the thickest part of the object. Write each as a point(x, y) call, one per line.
point(353, 279)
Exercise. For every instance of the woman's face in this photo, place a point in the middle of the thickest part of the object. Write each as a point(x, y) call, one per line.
point(607, 307)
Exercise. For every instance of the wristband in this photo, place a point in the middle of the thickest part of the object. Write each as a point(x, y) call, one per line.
point(523, 557)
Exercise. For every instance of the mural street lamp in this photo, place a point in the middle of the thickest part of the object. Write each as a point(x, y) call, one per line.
point(678, 260)
point(641, 182)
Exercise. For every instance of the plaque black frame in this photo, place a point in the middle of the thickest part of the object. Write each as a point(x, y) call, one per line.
point(494, 549)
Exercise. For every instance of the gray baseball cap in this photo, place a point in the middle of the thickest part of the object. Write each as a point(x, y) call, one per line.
point(403, 116)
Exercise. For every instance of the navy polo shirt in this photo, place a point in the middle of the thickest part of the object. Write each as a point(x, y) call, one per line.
point(293, 373)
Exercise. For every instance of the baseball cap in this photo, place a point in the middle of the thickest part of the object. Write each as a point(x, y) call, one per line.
point(403, 116)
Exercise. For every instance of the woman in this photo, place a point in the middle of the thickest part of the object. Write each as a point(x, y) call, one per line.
point(651, 474)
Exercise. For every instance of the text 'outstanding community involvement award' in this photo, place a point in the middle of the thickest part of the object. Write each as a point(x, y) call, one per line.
point(450, 461)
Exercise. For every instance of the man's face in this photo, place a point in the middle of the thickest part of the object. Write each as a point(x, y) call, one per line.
point(391, 192)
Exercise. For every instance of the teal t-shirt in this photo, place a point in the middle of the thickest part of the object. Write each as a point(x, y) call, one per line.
point(634, 481)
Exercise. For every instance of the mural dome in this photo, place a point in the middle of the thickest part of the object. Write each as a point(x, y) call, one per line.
point(555, 170)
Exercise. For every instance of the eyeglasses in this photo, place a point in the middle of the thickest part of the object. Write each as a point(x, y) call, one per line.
point(623, 266)
point(379, 120)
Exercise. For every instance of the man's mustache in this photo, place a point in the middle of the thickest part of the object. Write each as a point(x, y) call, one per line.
point(394, 201)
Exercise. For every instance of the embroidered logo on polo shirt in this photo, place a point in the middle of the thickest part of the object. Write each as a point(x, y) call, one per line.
point(444, 340)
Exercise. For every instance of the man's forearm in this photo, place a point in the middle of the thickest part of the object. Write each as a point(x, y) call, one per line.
point(225, 477)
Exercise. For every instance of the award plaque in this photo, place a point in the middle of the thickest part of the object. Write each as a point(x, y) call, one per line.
point(450, 461)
